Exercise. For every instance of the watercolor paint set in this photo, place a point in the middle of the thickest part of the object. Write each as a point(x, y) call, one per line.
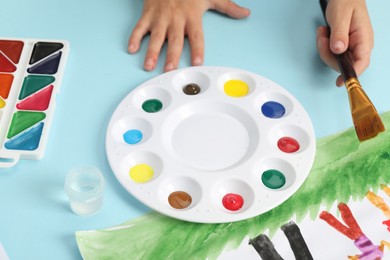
point(210, 144)
point(31, 72)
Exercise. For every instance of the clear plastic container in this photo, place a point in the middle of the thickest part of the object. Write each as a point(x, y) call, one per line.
point(84, 187)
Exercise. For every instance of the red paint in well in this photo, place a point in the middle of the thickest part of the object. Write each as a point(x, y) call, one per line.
point(38, 101)
point(12, 49)
point(6, 65)
point(232, 201)
point(288, 144)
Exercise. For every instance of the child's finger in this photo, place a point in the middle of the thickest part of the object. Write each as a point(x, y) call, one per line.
point(136, 36)
point(324, 49)
point(325, 53)
point(361, 58)
point(157, 38)
point(175, 46)
point(230, 8)
point(195, 36)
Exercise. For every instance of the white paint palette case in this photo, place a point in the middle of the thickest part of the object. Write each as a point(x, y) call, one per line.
point(210, 144)
point(31, 72)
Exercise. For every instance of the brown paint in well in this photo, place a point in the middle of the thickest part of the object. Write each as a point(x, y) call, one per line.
point(179, 200)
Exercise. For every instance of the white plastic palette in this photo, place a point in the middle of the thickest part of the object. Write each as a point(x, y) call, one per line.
point(210, 144)
point(31, 72)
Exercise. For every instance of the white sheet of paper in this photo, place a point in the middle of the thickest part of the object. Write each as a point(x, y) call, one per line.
point(3, 254)
point(323, 241)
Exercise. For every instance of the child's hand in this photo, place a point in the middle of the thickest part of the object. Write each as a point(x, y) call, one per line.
point(172, 20)
point(350, 29)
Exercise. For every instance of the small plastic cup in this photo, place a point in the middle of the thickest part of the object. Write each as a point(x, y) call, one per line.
point(84, 187)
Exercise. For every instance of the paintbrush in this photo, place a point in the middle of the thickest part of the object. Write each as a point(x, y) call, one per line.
point(367, 122)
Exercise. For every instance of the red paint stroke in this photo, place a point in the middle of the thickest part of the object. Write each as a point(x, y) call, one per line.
point(352, 230)
point(38, 101)
point(387, 223)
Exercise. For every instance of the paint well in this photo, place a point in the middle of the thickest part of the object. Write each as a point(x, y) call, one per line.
point(152, 105)
point(133, 136)
point(5, 84)
point(23, 120)
point(179, 200)
point(47, 66)
point(288, 144)
point(273, 109)
point(6, 65)
point(191, 89)
point(12, 49)
point(44, 49)
point(273, 179)
point(39, 101)
point(2, 103)
point(141, 173)
point(34, 83)
point(236, 88)
point(232, 201)
point(28, 140)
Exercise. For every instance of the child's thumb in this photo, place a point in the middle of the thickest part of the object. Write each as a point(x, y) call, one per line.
point(339, 32)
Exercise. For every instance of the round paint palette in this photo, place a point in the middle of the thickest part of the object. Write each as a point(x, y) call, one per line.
point(210, 144)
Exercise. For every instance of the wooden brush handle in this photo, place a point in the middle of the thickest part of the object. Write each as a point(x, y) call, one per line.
point(343, 60)
point(345, 65)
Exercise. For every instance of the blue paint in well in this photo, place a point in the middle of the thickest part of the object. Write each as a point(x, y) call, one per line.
point(27, 140)
point(48, 66)
point(133, 136)
point(273, 109)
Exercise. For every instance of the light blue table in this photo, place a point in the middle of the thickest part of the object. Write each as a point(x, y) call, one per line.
point(277, 41)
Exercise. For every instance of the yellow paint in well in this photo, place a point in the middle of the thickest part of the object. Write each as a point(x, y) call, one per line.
point(141, 173)
point(236, 88)
point(2, 103)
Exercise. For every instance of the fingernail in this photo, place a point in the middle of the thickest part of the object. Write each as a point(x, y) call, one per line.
point(338, 46)
point(149, 63)
point(169, 67)
point(197, 61)
point(131, 48)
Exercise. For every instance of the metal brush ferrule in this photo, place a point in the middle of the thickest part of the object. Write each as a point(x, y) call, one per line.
point(352, 83)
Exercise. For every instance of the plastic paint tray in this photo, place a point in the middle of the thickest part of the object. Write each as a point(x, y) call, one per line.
point(30, 76)
point(210, 144)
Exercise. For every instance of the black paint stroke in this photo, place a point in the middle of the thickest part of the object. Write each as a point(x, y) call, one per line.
point(265, 248)
point(296, 240)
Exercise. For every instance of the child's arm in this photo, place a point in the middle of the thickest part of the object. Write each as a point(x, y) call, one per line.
point(350, 29)
point(172, 20)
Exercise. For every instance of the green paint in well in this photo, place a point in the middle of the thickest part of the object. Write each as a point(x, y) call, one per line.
point(273, 179)
point(152, 105)
point(344, 169)
point(34, 83)
point(22, 120)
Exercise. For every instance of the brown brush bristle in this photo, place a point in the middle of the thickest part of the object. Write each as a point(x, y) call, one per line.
point(369, 127)
point(367, 122)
